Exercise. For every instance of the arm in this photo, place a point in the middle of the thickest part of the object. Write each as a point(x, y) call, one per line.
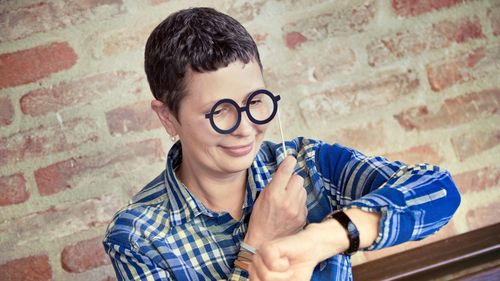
point(413, 201)
point(130, 265)
point(388, 201)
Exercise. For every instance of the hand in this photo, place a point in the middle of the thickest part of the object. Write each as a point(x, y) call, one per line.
point(280, 209)
point(290, 258)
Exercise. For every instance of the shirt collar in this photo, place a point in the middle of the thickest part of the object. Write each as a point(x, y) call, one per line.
point(184, 206)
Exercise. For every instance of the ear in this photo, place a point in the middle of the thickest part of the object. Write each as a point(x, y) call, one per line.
point(166, 117)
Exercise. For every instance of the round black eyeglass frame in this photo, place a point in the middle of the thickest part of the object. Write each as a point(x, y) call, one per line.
point(245, 108)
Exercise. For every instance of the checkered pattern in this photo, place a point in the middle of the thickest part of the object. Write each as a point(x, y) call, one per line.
point(165, 233)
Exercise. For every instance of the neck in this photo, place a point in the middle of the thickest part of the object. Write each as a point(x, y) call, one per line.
point(218, 192)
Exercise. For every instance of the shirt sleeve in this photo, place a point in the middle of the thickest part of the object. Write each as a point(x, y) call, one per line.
point(131, 265)
point(415, 201)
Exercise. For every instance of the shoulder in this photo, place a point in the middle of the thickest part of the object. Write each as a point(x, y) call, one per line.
point(145, 217)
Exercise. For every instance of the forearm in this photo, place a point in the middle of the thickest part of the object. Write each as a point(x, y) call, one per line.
point(337, 241)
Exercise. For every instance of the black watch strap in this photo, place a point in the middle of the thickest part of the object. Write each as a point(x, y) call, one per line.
point(351, 229)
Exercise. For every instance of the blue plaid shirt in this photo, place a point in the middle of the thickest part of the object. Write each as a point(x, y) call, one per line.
point(166, 233)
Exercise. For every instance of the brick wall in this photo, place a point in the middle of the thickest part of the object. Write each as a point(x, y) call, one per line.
point(412, 80)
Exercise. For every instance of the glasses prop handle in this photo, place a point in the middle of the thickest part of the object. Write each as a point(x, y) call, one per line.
point(281, 132)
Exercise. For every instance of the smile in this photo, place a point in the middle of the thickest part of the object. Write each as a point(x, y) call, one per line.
point(238, 151)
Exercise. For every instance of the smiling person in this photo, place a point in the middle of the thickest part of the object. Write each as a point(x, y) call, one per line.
point(230, 205)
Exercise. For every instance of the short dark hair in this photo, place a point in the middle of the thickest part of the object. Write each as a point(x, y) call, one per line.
point(201, 39)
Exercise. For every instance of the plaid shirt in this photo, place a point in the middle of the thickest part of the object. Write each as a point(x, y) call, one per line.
point(165, 233)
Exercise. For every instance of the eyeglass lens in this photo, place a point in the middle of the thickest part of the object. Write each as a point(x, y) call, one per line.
point(260, 109)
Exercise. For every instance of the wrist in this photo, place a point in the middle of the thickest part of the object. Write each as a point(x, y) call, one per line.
point(327, 245)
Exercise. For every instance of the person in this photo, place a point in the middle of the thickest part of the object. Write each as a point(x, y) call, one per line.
point(232, 206)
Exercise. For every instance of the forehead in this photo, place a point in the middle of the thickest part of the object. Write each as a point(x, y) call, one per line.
point(234, 81)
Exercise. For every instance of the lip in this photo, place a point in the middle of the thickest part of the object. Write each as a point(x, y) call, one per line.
point(238, 150)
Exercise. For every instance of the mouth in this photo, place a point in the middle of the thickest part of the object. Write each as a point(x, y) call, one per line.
point(238, 150)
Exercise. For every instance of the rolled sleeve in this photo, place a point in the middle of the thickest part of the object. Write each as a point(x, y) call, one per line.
point(414, 201)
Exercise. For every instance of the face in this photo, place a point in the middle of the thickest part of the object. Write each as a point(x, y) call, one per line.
point(205, 150)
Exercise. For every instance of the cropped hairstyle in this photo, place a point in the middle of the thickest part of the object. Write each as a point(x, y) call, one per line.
point(200, 39)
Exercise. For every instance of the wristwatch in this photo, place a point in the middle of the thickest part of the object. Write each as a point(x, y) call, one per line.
point(351, 229)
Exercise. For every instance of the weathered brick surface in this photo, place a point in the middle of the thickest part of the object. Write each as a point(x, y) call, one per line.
point(13, 189)
point(245, 11)
point(341, 21)
point(494, 16)
point(30, 65)
point(46, 140)
point(478, 180)
point(42, 16)
point(137, 117)
point(479, 63)
point(412, 8)
point(58, 221)
point(111, 163)
point(293, 39)
point(33, 268)
point(84, 255)
point(374, 92)
point(86, 90)
point(483, 216)
point(412, 42)
point(307, 69)
point(366, 137)
point(6, 111)
point(115, 42)
point(417, 154)
point(468, 145)
point(453, 111)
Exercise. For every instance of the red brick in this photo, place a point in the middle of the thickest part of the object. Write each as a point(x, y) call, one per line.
point(137, 117)
point(366, 94)
point(339, 21)
point(406, 8)
point(293, 39)
point(30, 65)
point(483, 216)
point(467, 145)
point(58, 222)
point(33, 268)
point(67, 94)
point(46, 140)
point(494, 15)
point(114, 42)
point(367, 138)
point(478, 180)
point(416, 41)
point(479, 63)
point(417, 154)
point(13, 189)
point(6, 111)
point(453, 111)
point(84, 255)
point(45, 16)
point(112, 163)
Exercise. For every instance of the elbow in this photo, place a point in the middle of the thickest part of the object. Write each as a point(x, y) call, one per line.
point(453, 198)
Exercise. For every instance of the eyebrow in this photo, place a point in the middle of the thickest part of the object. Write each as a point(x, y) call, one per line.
point(212, 103)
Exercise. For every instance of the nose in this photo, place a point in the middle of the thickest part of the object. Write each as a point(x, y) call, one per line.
point(245, 128)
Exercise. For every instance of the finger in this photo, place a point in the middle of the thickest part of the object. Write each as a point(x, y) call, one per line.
point(295, 185)
point(260, 271)
point(282, 175)
point(271, 257)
